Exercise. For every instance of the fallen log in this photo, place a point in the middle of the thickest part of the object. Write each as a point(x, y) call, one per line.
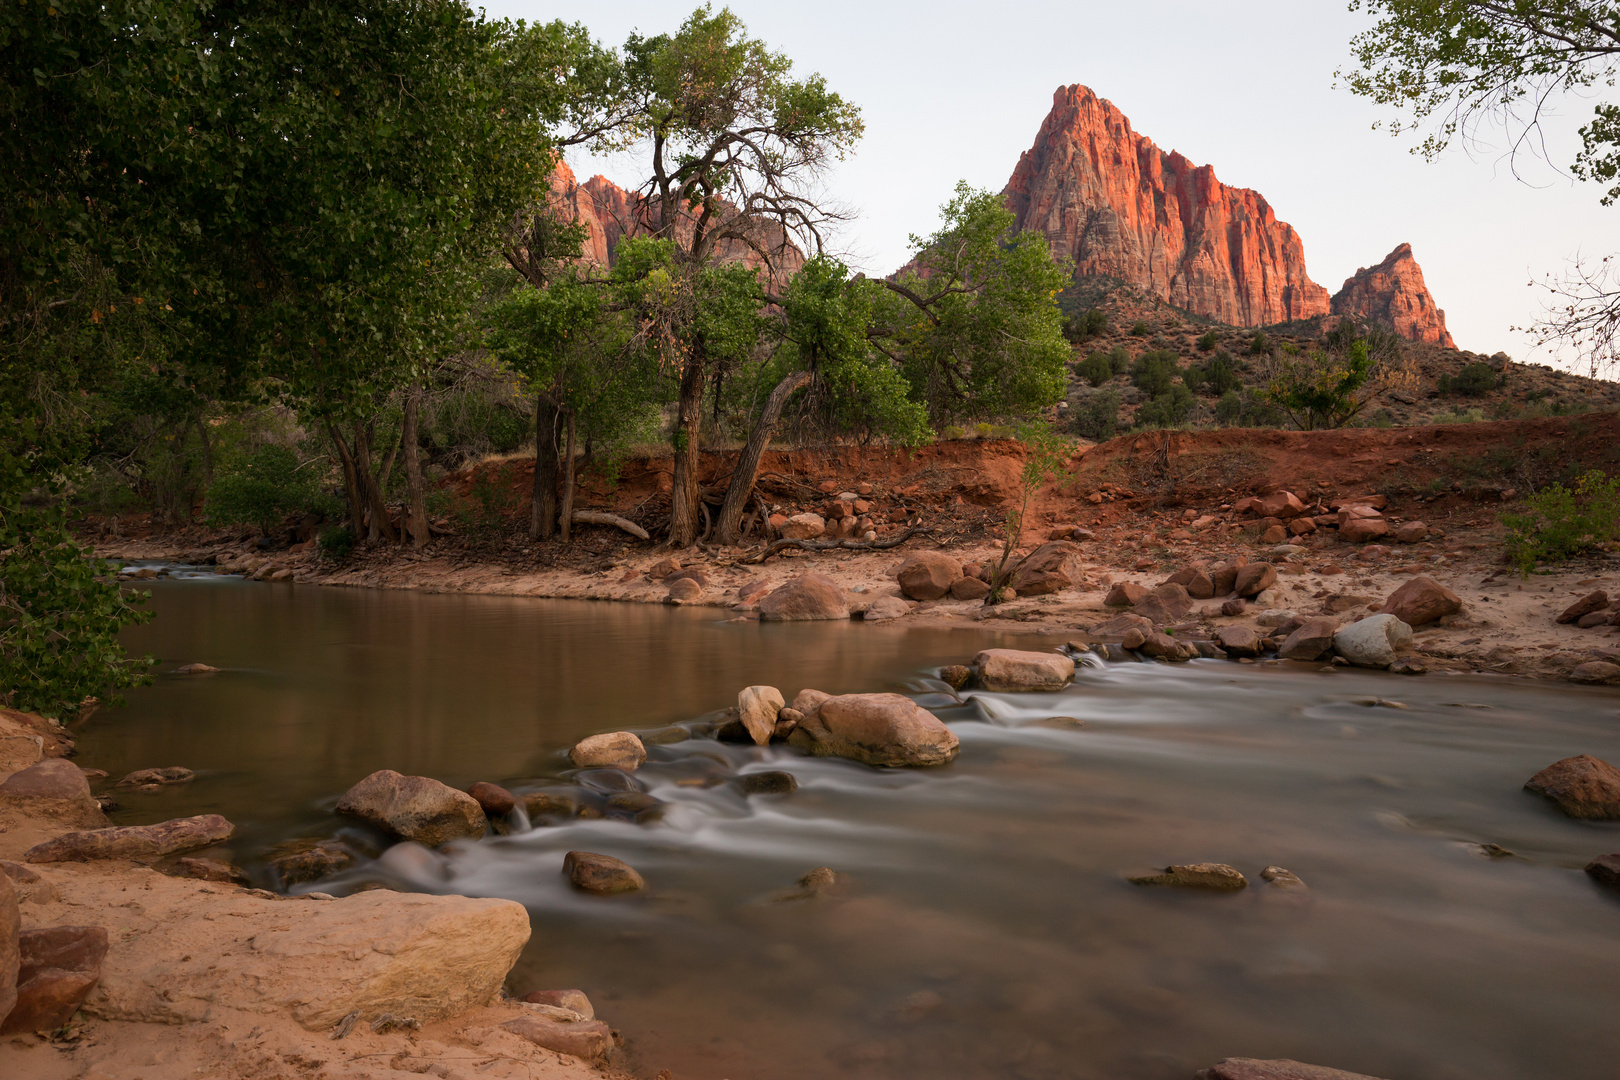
point(597, 517)
point(829, 545)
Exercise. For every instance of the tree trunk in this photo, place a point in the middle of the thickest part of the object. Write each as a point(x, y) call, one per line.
point(568, 482)
point(415, 497)
point(381, 528)
point(543, 505)
point(747, 470)
point(351, 482)
point(684, 522)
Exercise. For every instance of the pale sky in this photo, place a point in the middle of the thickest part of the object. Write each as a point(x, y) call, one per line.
point(954, 90)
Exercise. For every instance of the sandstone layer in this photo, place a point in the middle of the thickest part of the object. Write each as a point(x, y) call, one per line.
point(1394, 293)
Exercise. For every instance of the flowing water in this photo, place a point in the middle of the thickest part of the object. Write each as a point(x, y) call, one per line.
point(985, 928)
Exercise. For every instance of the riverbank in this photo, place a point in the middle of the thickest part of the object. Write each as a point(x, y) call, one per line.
point(196, 977)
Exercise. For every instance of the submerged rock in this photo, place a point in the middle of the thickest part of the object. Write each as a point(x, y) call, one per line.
point(773, 782)
point(1605, 870)
point(1011, 669)
point(1274, 1069)
point(134, 841)
point(414, 807)
point(1582, 786)
point(57, 968)
point(955, 676)
point(310, 862)
point(877, 729)
point(212, 870)
point(170, 774)
point(601, 873)
point(1216, 876)
point(613, 750)
point(1282, 879)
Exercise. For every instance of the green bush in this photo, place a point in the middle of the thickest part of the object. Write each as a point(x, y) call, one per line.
point(1169, 409)
point(1561, 522)
point(1095, 369)
point(336, 543)
point(1259, 345)
point(1154, 371)
point(1215, 377)
point(1247, 410)
point(1208, 341)
point(1474, 380)
point(261, 489)
point(1097, 416)
point(1140, 329)
point(1078, 328)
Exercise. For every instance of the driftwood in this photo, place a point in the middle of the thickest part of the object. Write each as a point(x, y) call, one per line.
point(597, 517)
point(829, 545)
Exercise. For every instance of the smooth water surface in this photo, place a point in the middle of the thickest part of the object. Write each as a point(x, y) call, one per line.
point(986, 928)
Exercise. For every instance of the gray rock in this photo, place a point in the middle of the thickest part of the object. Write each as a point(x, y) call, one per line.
point(611, 750)
point(1372, 642)
point(414, 807)
point(134, 841)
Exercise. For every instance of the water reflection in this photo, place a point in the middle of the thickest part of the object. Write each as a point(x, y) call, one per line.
point(986, 930)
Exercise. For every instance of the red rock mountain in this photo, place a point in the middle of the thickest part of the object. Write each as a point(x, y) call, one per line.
point(1393, 292)
point(1120, 207)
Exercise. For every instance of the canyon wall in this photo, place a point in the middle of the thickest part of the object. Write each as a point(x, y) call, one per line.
point(1393, 292)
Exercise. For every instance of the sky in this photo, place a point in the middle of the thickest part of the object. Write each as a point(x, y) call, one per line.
point(954, 90)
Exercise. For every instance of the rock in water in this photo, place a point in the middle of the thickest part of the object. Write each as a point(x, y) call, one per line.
point(1239, 640)
point(772, 782)
point(1582, 786)
point(573, 1000)
point(212, 870)
point(805, 598)
point(134, 841)
point(955, 676)
point(892, 607)
point(584, 1038)
point(1599, 672)
point(495, 800)
point(1281, 878)
point(313, 862)
point(1372, 642)
point(170, 774)
point(1605, 870)
point(600, 873)
point(757, 707)
point(1421, 601)
point(878, 729)
point(613, 750)
point(928, 575)
point(1010, 669)
point(10, 926)
point(58, 966)
point(414, 807)
point(1204, 875)
point(1274, 1069)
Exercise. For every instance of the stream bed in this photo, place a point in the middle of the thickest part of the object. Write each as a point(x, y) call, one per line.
point(985, 927)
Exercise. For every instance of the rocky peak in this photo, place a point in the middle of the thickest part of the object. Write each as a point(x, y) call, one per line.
point(1393, 292)
point(1120, 207)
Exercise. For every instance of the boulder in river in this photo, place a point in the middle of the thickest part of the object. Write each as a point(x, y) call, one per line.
point(1280, 878)
point(57, 968)
point(414, 808)
point(1204, 875)
point(877, 729)
point(1372, 642)
point(134, 841)
point(611, 750)
point(169, 774)
point(889, 607)
point(772, 782)
point(808, 597)
point(1274, 1069)
point(1015, 670)
point(601, 873)
point(955, 676)
point(1582, 786)
point(495, 800)
point(1239, 640)
point(309, 861)
point(1605, 870)
point(757, 708)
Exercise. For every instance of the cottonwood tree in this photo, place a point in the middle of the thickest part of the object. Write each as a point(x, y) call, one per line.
point(735, 145)
point(1467, 69)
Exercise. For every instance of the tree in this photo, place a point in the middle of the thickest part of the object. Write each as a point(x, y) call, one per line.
point(1328, 386)
point(734, 144)
point(1464, 67)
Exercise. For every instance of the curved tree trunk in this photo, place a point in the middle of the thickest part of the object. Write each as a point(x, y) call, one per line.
point(351, 482)
point(685, 521)
point(543, 506)
point(728, 530)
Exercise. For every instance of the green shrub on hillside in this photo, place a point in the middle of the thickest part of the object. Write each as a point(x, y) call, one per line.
point(1259, 345)
point(1215, 377)
point(1078, 328)
point(1096, 416)
point(1140, 329)
point(1155, 371)
point(260, 489)
point(1100, 366)
point(1561, 522)
point(1208, 341)
point(1247, 409)
point(1474, 380)
point(1169, 409)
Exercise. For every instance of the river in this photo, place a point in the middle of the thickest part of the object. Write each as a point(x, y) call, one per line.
point(985, 928)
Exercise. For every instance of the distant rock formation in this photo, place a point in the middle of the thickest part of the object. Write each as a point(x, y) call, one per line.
point(1393, 292)
point(1119, 206)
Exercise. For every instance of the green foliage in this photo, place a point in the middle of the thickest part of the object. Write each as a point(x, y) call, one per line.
point(1476, 379)
point(1168, 409)
point(1099, 367)
point(1217, 376)
point(336, 543)
point(1093, 323)
point(59, 614)
point(1468, 64)
point(1154, 371)
point(1260, 344)
point(260, 489)
point(1208, 341)
point(1046, 454)
point(1327, 386)
point(1247, 409)
point(1140, 329)
point(1096, 416)
point(1560, 523)
point(1229, 410)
